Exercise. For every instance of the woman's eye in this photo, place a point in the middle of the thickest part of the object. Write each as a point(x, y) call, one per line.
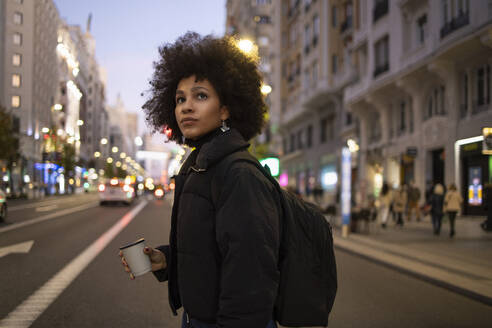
point(180, 100)
point(202, 96)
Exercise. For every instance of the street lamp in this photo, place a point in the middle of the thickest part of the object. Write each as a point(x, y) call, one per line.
point(265, 89)
point(114, 149)
point(109, 160)
point(97, 154)
point(122, 155)
point(104, 141)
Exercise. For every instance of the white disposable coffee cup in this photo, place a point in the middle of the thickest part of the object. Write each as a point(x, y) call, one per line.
point(138, 262)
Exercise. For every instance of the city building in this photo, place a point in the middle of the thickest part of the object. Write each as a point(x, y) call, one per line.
point(252, 21)
point(29, 83)
point(312, 65)
point(422, 95)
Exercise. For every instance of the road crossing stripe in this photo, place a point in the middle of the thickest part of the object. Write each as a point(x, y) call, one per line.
point(26, 313)
point(48, 216)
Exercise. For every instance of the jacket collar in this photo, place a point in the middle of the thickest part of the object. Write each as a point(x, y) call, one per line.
point(217, 148)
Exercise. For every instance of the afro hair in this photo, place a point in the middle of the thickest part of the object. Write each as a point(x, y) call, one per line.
point(233, 74)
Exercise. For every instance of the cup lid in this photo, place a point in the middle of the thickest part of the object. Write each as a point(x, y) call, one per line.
point(141, 240)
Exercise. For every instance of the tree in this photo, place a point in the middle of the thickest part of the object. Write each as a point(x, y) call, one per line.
point(109, 170)
point(9, 140)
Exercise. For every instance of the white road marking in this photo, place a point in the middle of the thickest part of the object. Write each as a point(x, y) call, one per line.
point(48, 216)
point(24, 247)
point(46, 208)
point(42, 203)
point(27, 312)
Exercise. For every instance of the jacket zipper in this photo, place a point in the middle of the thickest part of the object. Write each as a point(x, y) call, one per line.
point(187, 320)
point(197, 170)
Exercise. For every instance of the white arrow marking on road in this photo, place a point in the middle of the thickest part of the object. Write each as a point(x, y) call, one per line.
point(24, 247)
point(46, 208)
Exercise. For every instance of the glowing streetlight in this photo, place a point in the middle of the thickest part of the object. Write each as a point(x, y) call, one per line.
point(104, 141)
point(109, 160)
point(80, 122)
point(122, 155)
point(265, 89)
point(97, 154)
point(45, 130)
point(114, 149)
point(246, 46)
point(138, 141)
point(57, 107)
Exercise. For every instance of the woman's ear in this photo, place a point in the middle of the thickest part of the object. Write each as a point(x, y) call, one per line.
point(224, 113)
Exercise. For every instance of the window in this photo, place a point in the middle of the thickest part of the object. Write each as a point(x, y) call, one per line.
point(402, 118)
point(334, 16)
point(455, 14)
point(436, 104)
point(16, 101)
point(315, 30)
point(464, 96)
point(482, 87)
point(323, 127)
point(19, 2)
point(381, 8)
point(421, 29)
point(307, 38)
point(307, 76)
point(309, 140)
point(381, 50)
point(292, 142)
point(16, 60)
point(300, 143)
point(348, 118)
point(17, 38)
point(16, 80)
point(18, 18)
point(315, 73)
point(334, 64)
point(410, 118)
point(263, 41)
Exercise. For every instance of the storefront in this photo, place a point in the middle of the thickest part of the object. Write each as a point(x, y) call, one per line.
point(476, 170)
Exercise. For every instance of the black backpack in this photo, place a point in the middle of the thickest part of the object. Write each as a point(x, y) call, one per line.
point(308, 274)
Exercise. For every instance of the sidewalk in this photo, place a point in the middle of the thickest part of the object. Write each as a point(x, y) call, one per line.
point(462, 264)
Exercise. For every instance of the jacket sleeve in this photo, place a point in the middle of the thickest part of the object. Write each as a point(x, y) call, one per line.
point(248, 236)
point(161, 275)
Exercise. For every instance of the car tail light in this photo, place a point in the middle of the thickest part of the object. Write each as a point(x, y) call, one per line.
point(126, 188)
point(159, 193)
point(114, 182)
point(102, 187)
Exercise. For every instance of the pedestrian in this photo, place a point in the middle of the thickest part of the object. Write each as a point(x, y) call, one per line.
point(452, 206)
point(436, 203)
point(487, 200)
point(385, 201)
point(413, 201)
point(221, 263)
point(400, 203)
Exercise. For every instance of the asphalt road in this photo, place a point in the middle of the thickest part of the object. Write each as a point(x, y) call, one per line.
point(102, 295)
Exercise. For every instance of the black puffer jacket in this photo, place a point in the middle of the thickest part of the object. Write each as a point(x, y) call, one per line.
point(223, 257)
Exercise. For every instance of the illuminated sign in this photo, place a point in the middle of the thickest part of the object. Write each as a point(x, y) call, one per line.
point(487, 141)
point(346, 185)
point(273, 164)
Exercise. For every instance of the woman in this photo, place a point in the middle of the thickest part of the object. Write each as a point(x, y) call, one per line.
point(385, 202)
point(452, 204)
point(221, 261)
point(400, 204)
point(436, 202)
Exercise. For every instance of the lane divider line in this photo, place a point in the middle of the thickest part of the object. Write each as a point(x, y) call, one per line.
point(48, 216)
point(42, 203)
point(28, 311)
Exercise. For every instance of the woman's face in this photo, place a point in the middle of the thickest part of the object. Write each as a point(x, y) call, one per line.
point(198, 109)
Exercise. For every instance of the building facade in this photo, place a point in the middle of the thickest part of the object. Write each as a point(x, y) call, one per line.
point(422, 92)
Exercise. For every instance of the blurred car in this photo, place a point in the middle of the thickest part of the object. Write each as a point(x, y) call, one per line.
point(116, 191)
point(3, 206)
point(159, 193)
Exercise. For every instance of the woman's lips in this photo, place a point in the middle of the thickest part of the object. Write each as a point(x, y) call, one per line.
point(188, 121)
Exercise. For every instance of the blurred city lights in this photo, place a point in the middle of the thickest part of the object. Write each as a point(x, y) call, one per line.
point(104, 141)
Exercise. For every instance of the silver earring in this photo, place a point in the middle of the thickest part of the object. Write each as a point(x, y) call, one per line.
point(224, 126)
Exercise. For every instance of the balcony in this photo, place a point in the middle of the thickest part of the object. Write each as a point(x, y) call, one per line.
point(380, 9)
point(381, 69)
point(456, 23)
point(347, 76)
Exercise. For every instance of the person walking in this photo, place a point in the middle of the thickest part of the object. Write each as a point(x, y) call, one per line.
point(221, 263)
point(436, 202)
point(452, 206)
point(384, 204)
point(400, 203)
point(413, 201)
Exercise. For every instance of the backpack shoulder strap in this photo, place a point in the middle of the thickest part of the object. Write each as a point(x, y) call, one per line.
point(222, 168)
